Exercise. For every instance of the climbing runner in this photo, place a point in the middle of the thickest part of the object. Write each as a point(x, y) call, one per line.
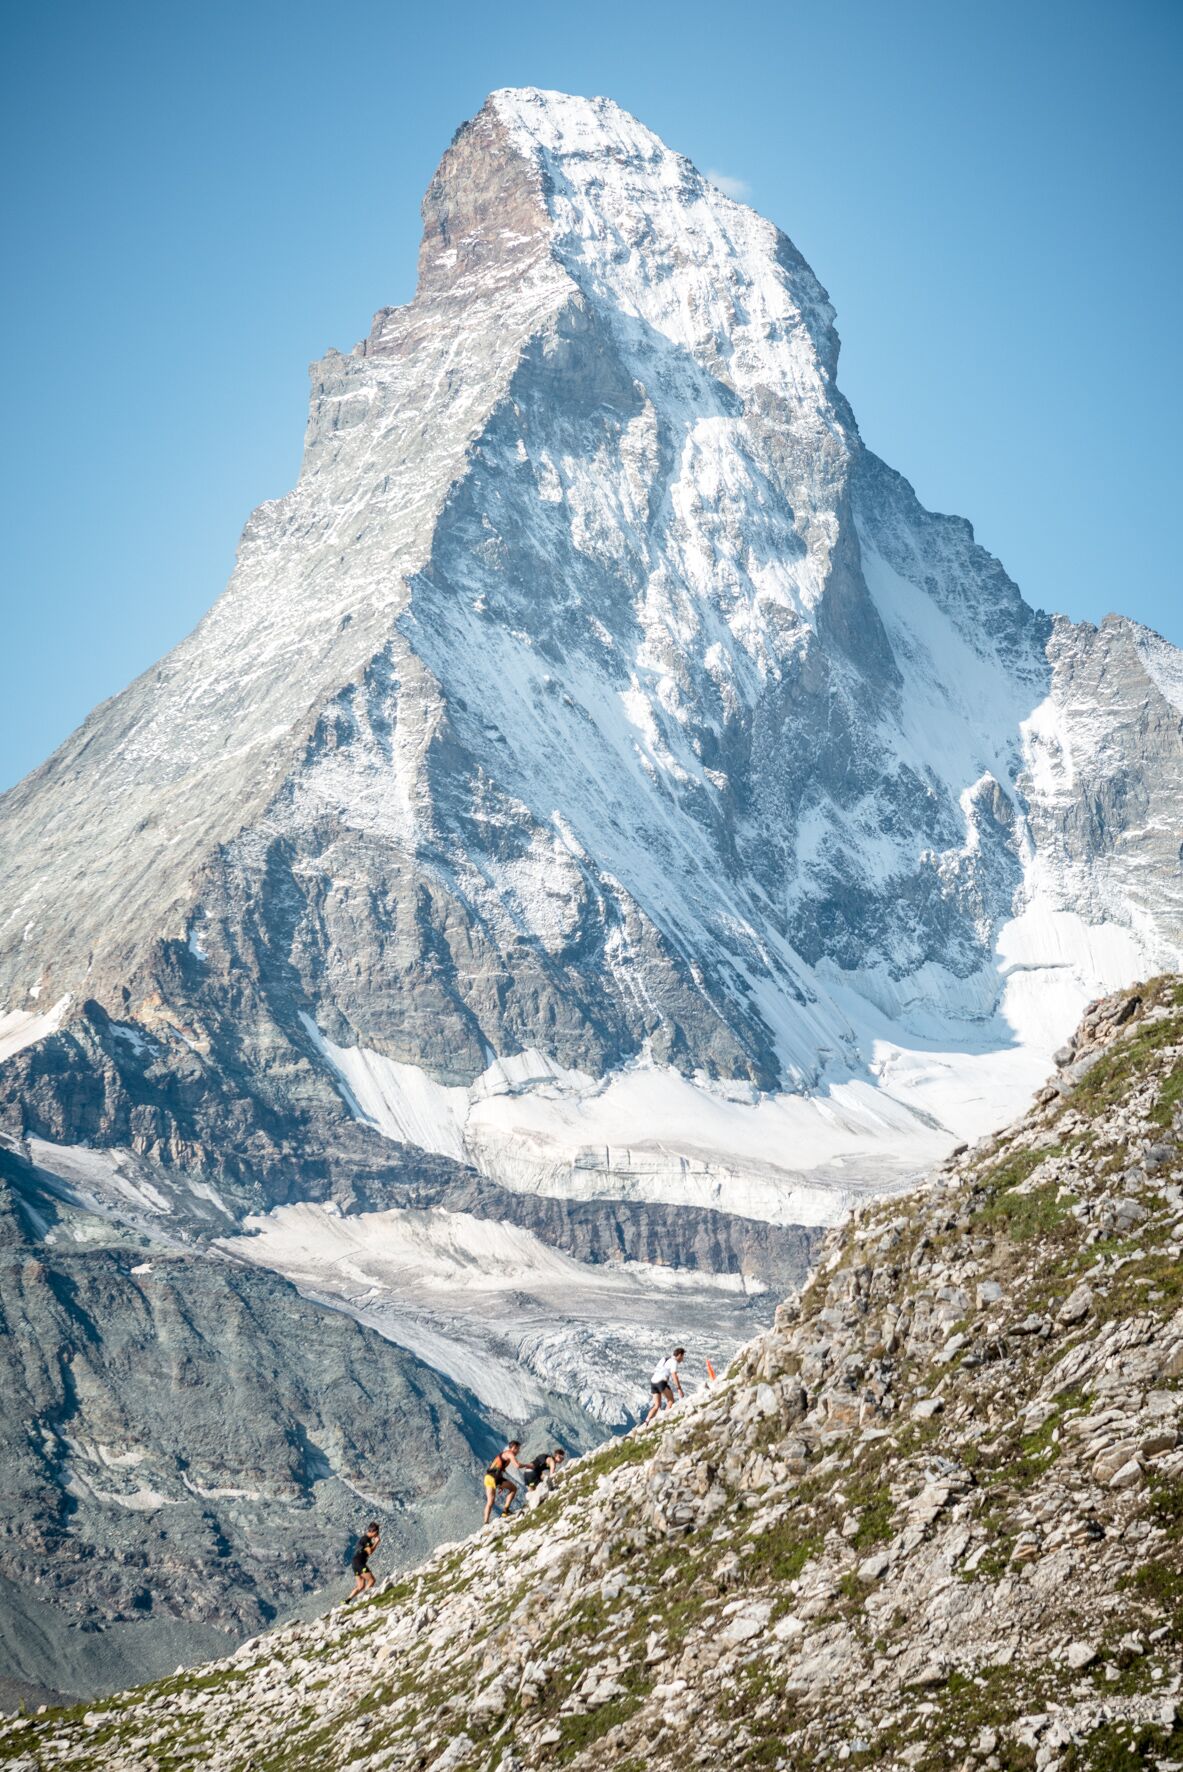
point(367, 1544)
point(497, 1478)
point(545, 1465)
point(659, 1383)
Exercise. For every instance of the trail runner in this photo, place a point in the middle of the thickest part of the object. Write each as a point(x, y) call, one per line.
point(660, 1383)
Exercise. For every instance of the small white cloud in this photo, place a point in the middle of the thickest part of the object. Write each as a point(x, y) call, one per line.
point(739, 188)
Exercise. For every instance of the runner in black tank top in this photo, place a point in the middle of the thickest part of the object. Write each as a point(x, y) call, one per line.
point(545, 1465)
point(367, 1544)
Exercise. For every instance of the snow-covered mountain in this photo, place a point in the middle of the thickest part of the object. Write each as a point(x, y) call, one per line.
point(604, 805)
point(600, 765)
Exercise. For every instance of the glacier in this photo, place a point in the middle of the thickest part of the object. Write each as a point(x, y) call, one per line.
point(495, 1309)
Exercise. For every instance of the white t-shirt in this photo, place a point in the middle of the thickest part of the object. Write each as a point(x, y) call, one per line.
point(664, 1370)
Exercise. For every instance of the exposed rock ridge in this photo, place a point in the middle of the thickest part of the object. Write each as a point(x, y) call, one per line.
point(196, 748)
point(932, 1519)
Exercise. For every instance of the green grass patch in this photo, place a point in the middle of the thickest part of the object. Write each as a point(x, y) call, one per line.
point(1169, 1097)
point(1166, 1503)
point(1022, 1459)
point(781, 1553)
point(875, 1512)
point(581, 1732)
point(758, 1704)
point(1043, 1212)
point(1112, 1078)
point(395, 1595)
point(1124, 1747)
point(1160, 1584)
point(1129, 1290)
point(577, 1485)
point(628, 1449)
point(964, 1706)
point(1013, 1171)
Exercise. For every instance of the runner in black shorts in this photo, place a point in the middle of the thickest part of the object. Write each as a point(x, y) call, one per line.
point(545, 1465)
point(367, 1544)
point(660, 1388)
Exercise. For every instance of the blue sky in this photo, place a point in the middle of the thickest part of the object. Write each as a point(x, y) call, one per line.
point(203, 198)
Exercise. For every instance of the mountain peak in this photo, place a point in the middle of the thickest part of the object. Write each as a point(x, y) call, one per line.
point(565, 122)
point(564, 128)
point(637, 224)
point(603, 803)
point(648, 716)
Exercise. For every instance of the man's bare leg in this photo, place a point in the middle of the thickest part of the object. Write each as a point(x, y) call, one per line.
point(490, 1498)
point(510, 1498)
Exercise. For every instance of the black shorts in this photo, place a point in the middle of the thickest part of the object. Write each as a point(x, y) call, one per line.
point(663, 1390)
point(360, 1563)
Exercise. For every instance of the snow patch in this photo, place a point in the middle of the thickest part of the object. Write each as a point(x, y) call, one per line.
point(1163, 663)
point(401, 1100)
point(139, 1501)
point(20, 1028)
point(95, 1180)
point(649, 1133)
point(1053, 964)
point(222, 1494)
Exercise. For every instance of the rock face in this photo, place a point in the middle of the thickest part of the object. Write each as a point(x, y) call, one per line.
point(188, 1444)
point(933, 1518)
point(189, 1440)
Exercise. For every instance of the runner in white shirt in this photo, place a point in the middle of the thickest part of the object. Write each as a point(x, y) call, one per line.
point(660, 1385)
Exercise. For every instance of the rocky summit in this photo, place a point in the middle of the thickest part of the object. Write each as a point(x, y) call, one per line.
point(606, 829)
point(932, 1518)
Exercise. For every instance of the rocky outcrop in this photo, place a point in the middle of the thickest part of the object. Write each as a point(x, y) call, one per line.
point(175, 1116)
point(685, 1237)
point(933, 1518)
point(187, 1439)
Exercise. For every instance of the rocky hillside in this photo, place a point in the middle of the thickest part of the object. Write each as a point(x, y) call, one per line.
point(187, 1435)
point(933, 1518)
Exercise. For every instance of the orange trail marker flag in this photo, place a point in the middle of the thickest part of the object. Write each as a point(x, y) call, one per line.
point(710, 1372)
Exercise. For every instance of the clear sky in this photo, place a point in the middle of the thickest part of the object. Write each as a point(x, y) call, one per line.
point(204, 197)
